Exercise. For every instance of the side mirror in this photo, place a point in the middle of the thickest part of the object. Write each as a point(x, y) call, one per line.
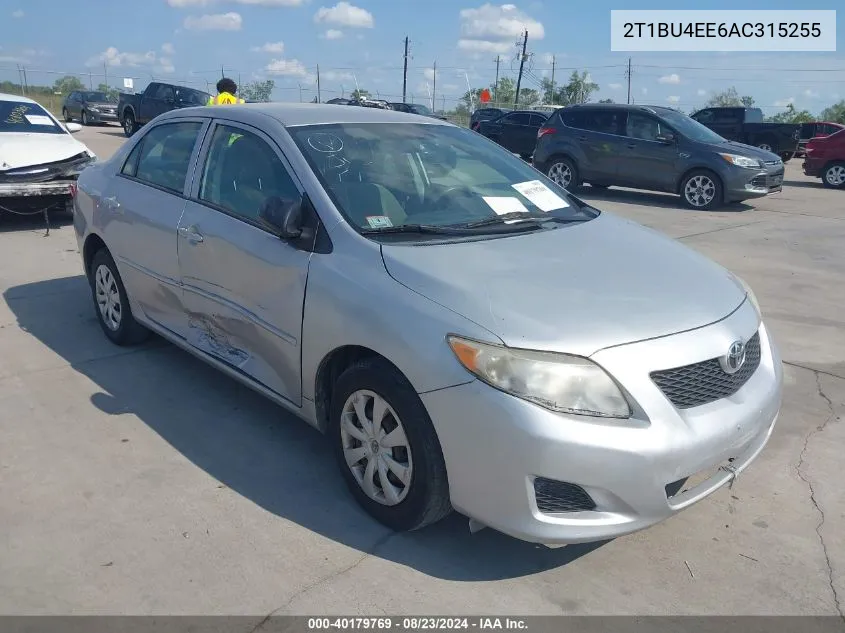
point(283, 217)
point(73, 128)
point(666, 137)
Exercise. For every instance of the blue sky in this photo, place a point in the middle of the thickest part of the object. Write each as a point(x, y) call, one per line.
point(187, 41)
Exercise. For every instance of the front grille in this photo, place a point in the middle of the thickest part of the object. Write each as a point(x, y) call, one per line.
point(701, 383)
point(560, 496)
point(767, 182)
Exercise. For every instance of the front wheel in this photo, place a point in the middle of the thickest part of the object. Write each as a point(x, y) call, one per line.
point(787, 156)
point(386, 447)
point(563, 172)
point(85, 120)
point(833, 176)
point(66, 115)
point(766, 146)
point(130, 126)
point(701, 190)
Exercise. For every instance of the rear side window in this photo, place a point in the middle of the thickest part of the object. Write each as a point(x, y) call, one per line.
point(517, 118)
point(538, 120)
point(595, 120)
point(163, 156)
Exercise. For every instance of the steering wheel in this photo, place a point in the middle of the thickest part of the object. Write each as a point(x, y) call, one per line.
point(450, 191)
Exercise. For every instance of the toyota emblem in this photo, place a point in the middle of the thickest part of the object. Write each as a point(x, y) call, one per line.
point(733, 361)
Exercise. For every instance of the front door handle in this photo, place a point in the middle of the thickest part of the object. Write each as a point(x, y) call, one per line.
point(191, 234)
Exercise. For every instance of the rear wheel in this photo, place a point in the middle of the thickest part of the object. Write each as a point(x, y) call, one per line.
point(833, 175)
point(386, 447)
point(563, 172)
point(766, 145)
point(787, 156)
point(112, 302)
point(701, 190)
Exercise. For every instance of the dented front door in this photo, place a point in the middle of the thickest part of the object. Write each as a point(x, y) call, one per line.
point(243, 287)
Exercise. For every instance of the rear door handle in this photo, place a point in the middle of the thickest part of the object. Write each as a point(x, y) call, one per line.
point(631, 146)
point(191, 234)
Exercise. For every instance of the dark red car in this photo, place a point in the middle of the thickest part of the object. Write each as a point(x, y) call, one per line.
point(825, 159)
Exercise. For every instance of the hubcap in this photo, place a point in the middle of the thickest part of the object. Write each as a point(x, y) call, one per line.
point(108, 297)
point(835, 176)
point(700, 191)
point(127, 124)
point(376, 448)
point(765, 146)
point(560, 174)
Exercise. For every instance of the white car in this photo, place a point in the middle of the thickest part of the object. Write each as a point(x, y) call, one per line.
point(39, 159)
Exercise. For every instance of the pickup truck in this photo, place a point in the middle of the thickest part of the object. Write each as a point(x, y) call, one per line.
point(138, 109)
point(745, 125)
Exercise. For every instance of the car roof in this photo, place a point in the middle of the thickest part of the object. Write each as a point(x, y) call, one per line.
point(294, 114)
point(619, 106)
point(7, 97)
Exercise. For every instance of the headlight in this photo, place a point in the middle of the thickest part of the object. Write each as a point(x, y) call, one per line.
point(742, 161)
point(93, 108)
point(748, 291)
point(559, 382)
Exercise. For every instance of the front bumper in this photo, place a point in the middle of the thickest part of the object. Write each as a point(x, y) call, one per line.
point(812, 168)
point(496, 445)
point(743, 184)
point(102, 117)
point(30, 189)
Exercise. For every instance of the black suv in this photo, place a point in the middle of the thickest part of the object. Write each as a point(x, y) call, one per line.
point(653, 148)
point(486, 114)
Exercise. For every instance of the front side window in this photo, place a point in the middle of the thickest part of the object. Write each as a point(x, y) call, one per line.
point(517, 118)
point(241, 172)
point(164, 92)
point(31, 118)
point(644, 127)
point(163, 156)
point(384, 175)
point(690, 128)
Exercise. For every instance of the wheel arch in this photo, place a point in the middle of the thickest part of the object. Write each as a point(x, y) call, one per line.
point(93, 243)
point(689, 171)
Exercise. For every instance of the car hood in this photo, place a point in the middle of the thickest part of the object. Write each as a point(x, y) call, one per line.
point(21, 149)
point(577, 289)
point(732, 147)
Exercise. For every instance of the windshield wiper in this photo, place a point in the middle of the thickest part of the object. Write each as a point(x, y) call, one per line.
point(520, 217)
point(424, 229)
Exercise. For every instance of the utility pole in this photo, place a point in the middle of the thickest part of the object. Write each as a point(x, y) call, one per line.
point(405, 73)
point(20, 76)
point(25, 82)
point(434, 87)
point(496, 85)
point(319, 98)
point(90, 81)
point(628, 74)
point(521, 64)
point(105, 74)
point(553, 79)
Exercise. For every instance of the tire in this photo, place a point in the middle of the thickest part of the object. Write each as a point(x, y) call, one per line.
point(701, 190)
point(833, 175)
point(66, 115)
point(767, 145)
point(84, 119)
point(424, 498)
point(103, 275)
point(557, 170)
point(787, 156)
point(130, 126)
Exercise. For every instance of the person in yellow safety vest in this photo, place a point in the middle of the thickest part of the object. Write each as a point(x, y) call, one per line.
point(226, 90)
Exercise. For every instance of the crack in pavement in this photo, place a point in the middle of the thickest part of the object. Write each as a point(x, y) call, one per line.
point(815, 371)
point(379, 543)
point(813, 500)
point(724, 228)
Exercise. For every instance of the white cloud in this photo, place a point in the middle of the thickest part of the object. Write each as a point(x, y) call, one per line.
point(811, 94)
point(429, 74)
point(270, 47)
point(701, 92)
point(214, 22)
point(116, 59)
point(674, 78)
point(614, 86)
point(782, 103)
point(167, 48)
point(494, 29)
point(18, 13)
point(645, 91)
point(345, 14)
point(205, 3)
point(673, 99)
point(287, 68)
point(332, 75)
point(332, 34)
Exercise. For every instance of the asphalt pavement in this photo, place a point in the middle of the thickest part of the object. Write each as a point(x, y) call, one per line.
point(140, 481)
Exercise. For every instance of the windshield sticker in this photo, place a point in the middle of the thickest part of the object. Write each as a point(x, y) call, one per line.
point(540, 195)
point(379, 221)
point(503, 205)
point(38, 119)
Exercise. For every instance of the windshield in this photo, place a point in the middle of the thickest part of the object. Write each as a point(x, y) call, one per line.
point(20, 116)
point(691, 128)
point(418, 108)
point(389, 175)
point(100, 97)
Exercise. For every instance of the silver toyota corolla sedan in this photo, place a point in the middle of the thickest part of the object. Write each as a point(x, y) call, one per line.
point(468, 334)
